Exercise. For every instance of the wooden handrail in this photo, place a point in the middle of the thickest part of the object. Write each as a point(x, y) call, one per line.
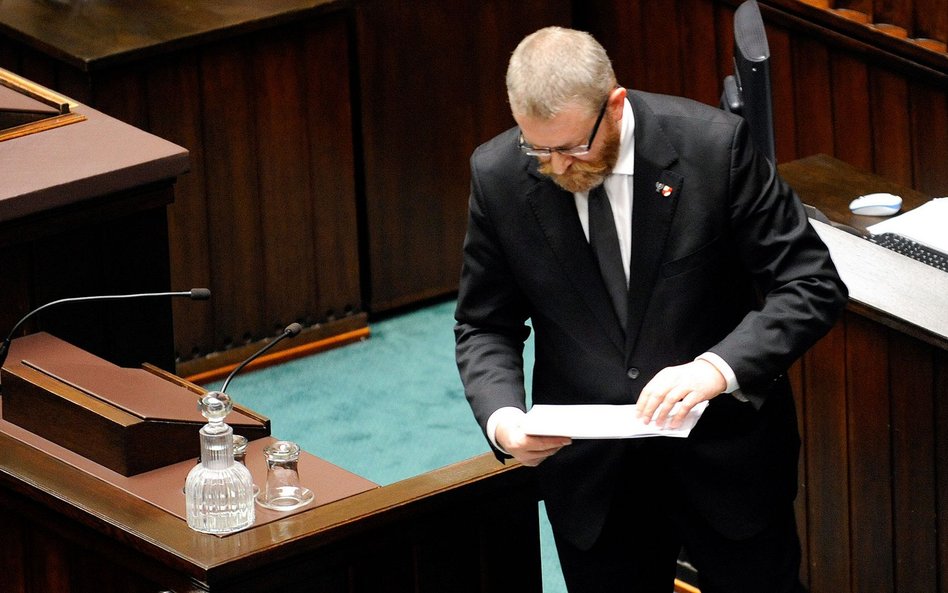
point(848, 27)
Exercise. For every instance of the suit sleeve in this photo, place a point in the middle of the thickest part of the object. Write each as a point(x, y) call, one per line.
point(800, 291)
point(491, 315)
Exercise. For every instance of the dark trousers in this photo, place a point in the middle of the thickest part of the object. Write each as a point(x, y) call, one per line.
point(643, 537)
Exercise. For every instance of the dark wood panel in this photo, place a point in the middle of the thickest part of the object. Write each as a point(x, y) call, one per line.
point(812, 103)
point(282, 148)
point(870, 462)
point(864, 6)
point(122, 94)
point(929, 134)
point(418, 131)
point(332, 166)
point(415, 158)
point(931, 20)
point(49, 568)
point(899, 13)
point(234, 229)
point(889, 101)
point(612, 24)
point(783, 85)
point(97, 248)
point(915, 505)
point(852, 137)
point(827, 459)
point(662, 49)
point(174, 99)
point(14, 276)
point(795, 376)
point(701, 76)
point(12, 553)
point(941, 466)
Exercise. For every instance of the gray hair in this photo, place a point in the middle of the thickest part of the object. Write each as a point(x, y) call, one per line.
point(554, 68)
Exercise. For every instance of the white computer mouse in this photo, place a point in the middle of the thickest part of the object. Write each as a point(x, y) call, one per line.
point(880, 204)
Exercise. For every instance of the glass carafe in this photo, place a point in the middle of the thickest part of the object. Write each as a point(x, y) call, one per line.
point(218, 491)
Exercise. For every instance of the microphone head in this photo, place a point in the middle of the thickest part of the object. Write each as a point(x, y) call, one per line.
point(200, 294)
point(293, 329)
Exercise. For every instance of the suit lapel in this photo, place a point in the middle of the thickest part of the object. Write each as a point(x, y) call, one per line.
point(555, 210)
point(656, 188)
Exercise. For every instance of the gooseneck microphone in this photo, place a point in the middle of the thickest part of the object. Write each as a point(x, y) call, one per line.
point(197, 294)
point(290, 331)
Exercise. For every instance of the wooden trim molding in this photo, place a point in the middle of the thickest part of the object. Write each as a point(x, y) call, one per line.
point(63, 105)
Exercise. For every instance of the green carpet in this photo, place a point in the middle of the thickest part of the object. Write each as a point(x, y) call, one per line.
point(387, 408)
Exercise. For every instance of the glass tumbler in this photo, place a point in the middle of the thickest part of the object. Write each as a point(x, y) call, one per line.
point(283, 490)
point(240, 449)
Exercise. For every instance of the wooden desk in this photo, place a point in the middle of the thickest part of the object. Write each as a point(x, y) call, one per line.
point(69, 525)
point(64, 530)
point(830, 185)
point(873, 407)
point(889, 287)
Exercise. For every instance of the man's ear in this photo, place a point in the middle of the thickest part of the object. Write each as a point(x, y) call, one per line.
point(617, 101)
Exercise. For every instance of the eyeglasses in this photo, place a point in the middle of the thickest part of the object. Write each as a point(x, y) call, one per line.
point(578, 150)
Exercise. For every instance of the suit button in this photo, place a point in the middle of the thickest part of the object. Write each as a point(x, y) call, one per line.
point(633, 373)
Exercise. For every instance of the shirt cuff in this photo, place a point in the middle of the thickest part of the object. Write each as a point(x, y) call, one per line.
point(726, 371)
point(508, 414)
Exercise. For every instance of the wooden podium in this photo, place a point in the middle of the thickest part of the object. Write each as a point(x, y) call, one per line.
point(83, 201)
point(128, 420)
point(70, 524)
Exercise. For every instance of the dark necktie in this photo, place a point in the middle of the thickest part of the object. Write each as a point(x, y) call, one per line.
point(605, 243)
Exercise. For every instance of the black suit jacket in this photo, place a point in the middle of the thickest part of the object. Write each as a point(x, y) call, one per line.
point(726, 262)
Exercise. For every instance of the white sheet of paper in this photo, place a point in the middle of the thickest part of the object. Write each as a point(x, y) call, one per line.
point(592, 421)
point(925, 224)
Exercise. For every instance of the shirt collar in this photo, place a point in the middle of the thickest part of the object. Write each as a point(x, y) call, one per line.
point(625, 164)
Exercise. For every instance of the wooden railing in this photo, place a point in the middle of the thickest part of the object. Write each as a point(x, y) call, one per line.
point(924, 22)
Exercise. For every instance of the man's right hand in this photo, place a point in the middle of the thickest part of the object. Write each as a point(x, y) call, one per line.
point(527, 449)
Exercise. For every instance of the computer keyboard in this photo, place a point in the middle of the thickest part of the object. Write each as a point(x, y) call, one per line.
point(911, 249)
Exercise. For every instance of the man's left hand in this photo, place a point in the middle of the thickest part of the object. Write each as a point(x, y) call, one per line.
point(688, 384)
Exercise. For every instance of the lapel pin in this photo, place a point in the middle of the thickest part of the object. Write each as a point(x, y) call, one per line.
point(665, 190)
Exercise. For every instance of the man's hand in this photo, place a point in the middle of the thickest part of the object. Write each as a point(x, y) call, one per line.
point(528, 450)
point(689, 384)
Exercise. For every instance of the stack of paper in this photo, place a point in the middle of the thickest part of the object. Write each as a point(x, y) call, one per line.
point(927, 224)
point(584, 421)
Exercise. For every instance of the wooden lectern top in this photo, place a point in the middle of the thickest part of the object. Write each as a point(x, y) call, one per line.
point(72, 163)
point(138, 392)
point(128, 420)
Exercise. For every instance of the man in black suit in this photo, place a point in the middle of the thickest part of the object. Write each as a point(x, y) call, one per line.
point(726, 284)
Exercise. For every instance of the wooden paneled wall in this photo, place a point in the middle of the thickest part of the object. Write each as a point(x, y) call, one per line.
point(873, 410)
point(266, 217)
point(432, 89)
point(329, 155)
